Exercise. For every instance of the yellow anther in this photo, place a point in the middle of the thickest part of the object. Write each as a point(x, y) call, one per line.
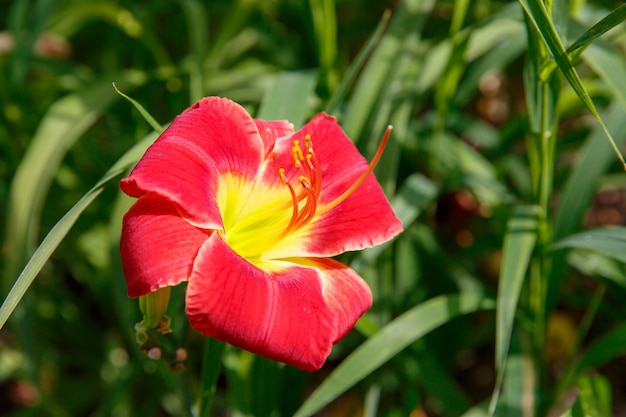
point(308, 143)
point(305, 182)
point(296, 153)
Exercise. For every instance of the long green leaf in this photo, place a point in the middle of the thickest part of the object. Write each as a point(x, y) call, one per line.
point(406, 23)
point(594, 159)
point(538, 15)
point(325, 28)
point(63, 226)
point(394, 337)
point(519, 243)
point(65, 122)
point(609, 64)
point(611, 20)
point(609, 241)
point(288, 98)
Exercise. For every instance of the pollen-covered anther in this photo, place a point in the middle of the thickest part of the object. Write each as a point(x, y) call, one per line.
point(310, 181)
point(305, 182)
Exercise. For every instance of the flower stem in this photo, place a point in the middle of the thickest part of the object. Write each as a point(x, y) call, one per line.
point(211, 360)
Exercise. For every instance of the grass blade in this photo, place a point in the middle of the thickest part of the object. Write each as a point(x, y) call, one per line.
point(141, 109)
point(64, 123)
point(519, 243)
point(609, 241)
point(538, 15)
point(390, 340)
point(62, 227)
point(287, 99)
point(593, 161)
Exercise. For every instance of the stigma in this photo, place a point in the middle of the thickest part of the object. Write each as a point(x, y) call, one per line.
point(305, 204)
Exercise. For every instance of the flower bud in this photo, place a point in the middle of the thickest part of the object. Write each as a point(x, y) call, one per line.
point(153, 307)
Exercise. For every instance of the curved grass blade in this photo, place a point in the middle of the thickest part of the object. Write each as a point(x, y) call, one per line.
point(538, 15)
point(62, 227)
point(609, 241)
point(611, 20)
point(390, 340)
point(147, 116)
point(519, 243)
point(64, 123)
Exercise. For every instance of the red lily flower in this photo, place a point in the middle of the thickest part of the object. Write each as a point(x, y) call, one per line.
point(248, 212)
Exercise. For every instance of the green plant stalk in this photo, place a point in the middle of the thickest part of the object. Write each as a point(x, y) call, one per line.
point(542, 143)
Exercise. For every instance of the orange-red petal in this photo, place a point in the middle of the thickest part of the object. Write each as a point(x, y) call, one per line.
point(286, 312)
point(212, 137)
point(363, 220)
point(158, 247)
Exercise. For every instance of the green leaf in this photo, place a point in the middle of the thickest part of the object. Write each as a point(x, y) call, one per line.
point(519, 243)
point(196, 23)
point(351, 74)
point(594, 159)
point(325, 29)
point(538, 15)
point(399, 41)
point(288, 98)
point(611, 20)
point(609, 241)
point(594, 397)
point(63, 226)
point(141, 109)
point(611, 67)
point(390, 340)
point(64, 123)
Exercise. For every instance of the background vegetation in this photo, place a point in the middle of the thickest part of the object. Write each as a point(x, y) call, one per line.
point(503, 296)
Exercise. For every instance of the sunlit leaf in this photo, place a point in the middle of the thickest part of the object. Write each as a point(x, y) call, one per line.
point(390, 340)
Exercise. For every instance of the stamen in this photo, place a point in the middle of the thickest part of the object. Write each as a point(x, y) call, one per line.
point(296, 153)
point(363, 177)
point(294, 199)
point(310, 181)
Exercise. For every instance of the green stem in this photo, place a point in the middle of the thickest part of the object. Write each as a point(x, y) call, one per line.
point(211, 360)
point(539, 275)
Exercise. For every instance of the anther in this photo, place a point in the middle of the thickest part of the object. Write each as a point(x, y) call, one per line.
point(305, 182)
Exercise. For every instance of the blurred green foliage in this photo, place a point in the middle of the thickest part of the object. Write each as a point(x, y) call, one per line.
point(503, 296)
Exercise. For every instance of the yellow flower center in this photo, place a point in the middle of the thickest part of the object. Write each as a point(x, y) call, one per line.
point(258, 219)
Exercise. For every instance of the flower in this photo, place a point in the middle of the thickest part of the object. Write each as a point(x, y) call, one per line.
point(248, 213)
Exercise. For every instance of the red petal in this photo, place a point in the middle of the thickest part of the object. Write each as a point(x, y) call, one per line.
point(345, 292)
point(272, 130)
point(363, 220)
point(339, 160)
point(212, 137)
point(278, 312)
point(158, 247)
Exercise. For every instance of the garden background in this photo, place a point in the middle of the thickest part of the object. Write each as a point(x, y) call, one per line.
point(504, 294)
